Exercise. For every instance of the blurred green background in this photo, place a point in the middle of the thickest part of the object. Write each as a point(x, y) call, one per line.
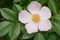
point(24, 3)
point(6, 3)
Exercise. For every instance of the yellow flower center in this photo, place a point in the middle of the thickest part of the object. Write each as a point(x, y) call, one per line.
point(36, 17)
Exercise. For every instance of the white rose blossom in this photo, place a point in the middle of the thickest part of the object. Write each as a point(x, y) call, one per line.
point(36, 18)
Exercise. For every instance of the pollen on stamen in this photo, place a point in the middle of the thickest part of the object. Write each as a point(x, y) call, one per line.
point(36, 17)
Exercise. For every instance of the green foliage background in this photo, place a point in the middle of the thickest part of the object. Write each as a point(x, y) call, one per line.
point(12, 29)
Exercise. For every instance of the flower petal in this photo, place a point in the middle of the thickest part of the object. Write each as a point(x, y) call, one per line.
point(31, 27)
point(45, 13)
point(24, 16)
point(34, 6)
point(44, 25)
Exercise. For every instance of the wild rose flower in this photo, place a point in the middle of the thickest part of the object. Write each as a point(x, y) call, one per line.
point(36, 17)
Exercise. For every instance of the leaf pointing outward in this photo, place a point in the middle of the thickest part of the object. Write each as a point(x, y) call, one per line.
point(4, 28)
point(8, 14)
point(15, 30)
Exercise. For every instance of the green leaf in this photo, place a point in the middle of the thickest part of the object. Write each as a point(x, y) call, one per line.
point(4, 28)
point(39, 36)
point(56, 28)
point(52, 6)
point(56, 24)
point(16, 8)
point(15, 30)
point(8, 14)
point(52, 36)
point(43, 1)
